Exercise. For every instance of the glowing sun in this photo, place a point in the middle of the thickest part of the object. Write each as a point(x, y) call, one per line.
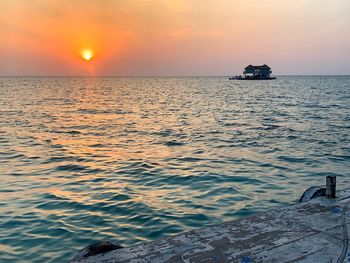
point(87, 55)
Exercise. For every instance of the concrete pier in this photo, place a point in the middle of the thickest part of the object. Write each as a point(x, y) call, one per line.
point(304, 232)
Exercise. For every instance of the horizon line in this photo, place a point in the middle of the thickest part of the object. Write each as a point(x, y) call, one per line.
point(158, 76)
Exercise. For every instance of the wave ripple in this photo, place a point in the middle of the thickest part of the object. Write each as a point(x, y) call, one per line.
point(133, 159)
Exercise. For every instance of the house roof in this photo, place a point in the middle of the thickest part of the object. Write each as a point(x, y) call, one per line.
point(257, 67)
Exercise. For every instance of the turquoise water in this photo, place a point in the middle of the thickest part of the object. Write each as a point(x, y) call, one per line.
point(134, 159)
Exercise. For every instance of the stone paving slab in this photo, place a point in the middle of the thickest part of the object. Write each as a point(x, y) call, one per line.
point(303, 232)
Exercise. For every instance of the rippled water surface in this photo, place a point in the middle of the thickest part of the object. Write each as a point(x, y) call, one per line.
point(133, 159)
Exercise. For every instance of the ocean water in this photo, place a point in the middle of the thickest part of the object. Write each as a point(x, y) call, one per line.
point(134, 159)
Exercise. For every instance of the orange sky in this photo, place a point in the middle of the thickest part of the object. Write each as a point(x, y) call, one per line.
point(173, 37)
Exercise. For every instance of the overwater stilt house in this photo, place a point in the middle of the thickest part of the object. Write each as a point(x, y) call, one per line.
point(256, 72)
point(263, 71)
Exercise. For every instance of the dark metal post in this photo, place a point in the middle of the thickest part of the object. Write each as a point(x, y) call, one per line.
point(331, 183)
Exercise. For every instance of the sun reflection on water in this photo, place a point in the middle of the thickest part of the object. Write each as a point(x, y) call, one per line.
point(85, 159)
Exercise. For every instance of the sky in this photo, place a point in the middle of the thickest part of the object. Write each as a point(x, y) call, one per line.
point(173, 37)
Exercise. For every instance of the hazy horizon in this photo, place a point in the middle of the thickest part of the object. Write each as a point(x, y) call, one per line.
point(163, 76)
point(173, 38)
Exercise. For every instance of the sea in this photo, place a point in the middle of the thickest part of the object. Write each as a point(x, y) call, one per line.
point(87, 159)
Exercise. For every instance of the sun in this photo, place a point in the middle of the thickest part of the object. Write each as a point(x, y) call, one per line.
point(87, 55)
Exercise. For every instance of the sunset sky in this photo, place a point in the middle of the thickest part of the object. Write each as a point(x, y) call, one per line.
point(173, 37)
